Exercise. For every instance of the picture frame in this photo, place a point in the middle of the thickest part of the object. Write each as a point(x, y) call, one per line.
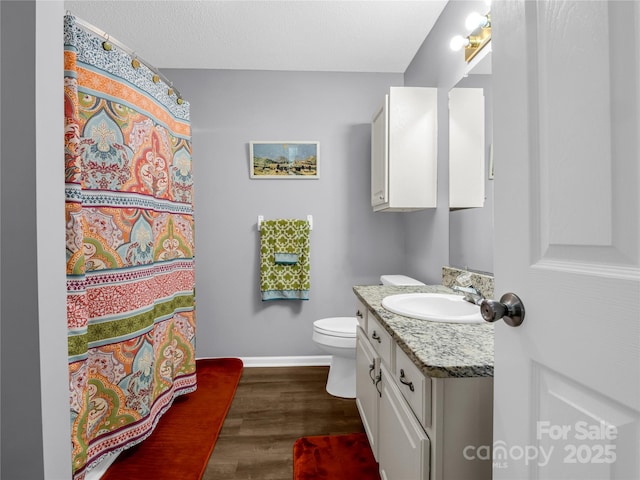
point(284, 160)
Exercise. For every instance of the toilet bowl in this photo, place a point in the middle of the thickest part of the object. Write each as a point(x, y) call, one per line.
point(337, 337)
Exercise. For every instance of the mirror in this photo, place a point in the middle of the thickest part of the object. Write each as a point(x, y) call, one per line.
point(471, 227)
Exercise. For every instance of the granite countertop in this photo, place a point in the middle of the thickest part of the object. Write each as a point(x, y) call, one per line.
point(438, 349)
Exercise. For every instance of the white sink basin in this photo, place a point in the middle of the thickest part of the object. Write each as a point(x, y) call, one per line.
point(436, 307)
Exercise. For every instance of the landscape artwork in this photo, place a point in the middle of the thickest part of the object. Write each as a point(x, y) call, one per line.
point(284, 160)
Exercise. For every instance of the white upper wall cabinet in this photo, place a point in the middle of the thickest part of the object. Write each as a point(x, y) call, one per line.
point(404, 150)
point(466, 148)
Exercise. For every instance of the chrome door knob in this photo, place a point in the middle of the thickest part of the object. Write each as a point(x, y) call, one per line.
point(510, 308)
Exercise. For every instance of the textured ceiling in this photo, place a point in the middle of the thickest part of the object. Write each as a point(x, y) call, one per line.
point(306, 35)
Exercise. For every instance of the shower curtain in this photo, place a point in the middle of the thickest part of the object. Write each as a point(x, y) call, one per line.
point(130, 246)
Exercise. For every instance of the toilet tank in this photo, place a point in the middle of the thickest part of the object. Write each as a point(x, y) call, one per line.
point(399, 280)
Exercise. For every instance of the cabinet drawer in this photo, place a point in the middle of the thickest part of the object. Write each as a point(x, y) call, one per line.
point(380, 339)
point(414, 385)
point(361, 315)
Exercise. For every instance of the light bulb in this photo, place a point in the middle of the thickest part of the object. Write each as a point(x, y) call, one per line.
point(458, 42)
point(475, 20)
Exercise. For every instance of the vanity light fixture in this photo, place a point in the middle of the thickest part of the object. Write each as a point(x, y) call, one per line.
point(475, 20)
point(459, 41)
point(480, 27)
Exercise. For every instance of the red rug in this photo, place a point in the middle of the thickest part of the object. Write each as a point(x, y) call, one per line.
point(181, 444)
point(334, 457)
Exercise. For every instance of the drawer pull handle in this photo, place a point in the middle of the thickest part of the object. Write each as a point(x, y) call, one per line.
point(375, 336)
point(372, 368)
point(359, 314)
point(404, 381)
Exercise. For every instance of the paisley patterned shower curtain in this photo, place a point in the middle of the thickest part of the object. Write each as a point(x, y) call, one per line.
point(130, 247)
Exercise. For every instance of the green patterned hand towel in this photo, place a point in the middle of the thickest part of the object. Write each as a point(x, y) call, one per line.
point(282, 277)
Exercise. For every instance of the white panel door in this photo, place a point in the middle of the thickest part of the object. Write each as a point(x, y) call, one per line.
point(567, 238)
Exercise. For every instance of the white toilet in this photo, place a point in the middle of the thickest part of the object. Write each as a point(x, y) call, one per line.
point(337, 336)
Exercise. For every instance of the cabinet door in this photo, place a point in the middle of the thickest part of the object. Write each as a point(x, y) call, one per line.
point(413, 148)
point(403, 445)
point(367, 395)
point(380, 156)
point(466, 148)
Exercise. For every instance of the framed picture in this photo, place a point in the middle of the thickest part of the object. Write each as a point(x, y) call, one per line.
point(284, 160)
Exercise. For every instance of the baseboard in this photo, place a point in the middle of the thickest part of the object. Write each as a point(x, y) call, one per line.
point(301, 361)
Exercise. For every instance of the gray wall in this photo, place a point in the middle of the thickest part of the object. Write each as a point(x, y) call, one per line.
point(20, 417)
point(427, 232)
point(350, 244)
point(34, 418)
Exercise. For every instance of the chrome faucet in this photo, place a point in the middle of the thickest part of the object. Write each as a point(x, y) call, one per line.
point(472, 294)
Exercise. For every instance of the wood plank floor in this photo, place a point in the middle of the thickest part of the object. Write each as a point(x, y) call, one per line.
point(272, 408)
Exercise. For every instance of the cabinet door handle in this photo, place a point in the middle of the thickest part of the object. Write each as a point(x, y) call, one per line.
point(378, 380)
point(372, 367)
point(404, 381)
point(375, 336)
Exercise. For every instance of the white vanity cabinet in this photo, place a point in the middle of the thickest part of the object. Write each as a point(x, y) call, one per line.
point(419, 427)
point(367, 384)
point(404, 150)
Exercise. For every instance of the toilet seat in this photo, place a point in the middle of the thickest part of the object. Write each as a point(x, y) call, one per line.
point(343, 327)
